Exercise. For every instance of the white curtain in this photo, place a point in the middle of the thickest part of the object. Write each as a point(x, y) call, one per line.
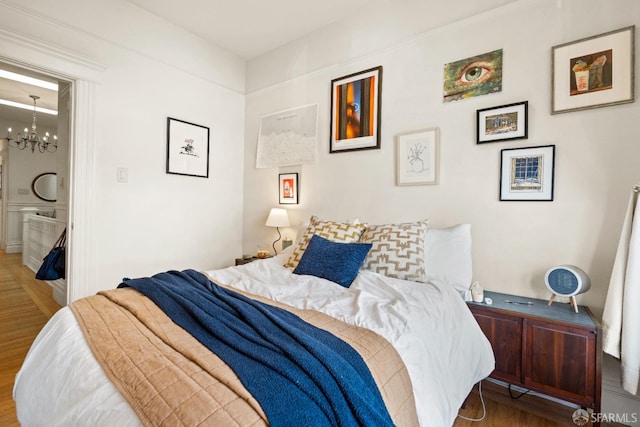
point(621, 317)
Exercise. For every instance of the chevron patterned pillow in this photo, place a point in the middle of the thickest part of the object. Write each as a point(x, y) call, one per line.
point(330, 230)
point(397, 251)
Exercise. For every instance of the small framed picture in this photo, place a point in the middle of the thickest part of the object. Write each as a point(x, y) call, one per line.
point(288, 188)
point(355, 111)
point(502, 123)
point(527, 173)
point(417, 157)
point(593, 72)
point(187, 148)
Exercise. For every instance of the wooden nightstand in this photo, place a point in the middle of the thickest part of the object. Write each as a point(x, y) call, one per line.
point(243, 261)
point(548, 349)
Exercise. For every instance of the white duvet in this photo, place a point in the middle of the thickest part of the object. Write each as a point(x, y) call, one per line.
point(61, 384)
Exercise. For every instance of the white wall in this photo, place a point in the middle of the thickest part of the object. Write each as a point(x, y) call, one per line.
point(141, 70)
point(24, 166)
point(597, 151)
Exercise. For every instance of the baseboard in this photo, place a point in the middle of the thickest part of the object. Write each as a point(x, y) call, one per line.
point(59, 291)
point(13, 248)
point(518, 389)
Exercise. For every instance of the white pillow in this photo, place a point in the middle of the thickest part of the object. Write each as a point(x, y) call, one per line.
point(448, 255)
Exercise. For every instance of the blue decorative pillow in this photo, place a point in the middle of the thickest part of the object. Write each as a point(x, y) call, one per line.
point(338, 262)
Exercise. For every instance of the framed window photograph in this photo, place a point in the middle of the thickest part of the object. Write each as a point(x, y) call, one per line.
point(355, 111)
point(593, 72)
point(187, 148)
point(288, 188)
point(417, 160)
point(503, 123)
point(526, 174)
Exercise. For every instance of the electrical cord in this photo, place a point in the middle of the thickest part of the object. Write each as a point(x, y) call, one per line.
point(484, 408)
point(519, 396)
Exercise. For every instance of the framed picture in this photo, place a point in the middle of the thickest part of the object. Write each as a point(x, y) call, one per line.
point(288, 188)
point(527, 173)
point(355, 111)
point(593, 72)
point(187, 148)
point(502, 123)
point(417, 157)
point(475, 76)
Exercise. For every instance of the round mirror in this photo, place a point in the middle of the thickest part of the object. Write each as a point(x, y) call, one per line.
point(44, 186)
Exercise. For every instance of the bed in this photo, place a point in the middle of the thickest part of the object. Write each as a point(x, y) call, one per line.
point(426, 322)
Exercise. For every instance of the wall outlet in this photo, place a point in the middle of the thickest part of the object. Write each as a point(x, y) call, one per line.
point(286, 243)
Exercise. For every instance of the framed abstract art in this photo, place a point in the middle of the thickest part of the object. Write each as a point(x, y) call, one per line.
point(355, 111)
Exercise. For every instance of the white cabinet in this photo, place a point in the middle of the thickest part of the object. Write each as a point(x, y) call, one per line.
point(39, 235)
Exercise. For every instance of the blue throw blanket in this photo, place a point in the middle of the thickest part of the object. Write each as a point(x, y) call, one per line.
point(300, 374)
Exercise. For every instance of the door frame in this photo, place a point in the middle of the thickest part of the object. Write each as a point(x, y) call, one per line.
point(84, 76)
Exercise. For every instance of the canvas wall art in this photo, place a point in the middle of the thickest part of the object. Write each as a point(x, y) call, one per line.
point(474, 76)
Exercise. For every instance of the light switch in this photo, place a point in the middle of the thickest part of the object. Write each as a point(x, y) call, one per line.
point(123, 175)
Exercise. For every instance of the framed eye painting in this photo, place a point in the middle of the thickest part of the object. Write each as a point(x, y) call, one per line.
point(474, 76)
point(288, 188)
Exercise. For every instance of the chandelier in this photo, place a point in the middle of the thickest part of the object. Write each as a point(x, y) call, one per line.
point(31, 139)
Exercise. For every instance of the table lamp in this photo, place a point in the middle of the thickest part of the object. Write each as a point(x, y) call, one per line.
point(277, 218)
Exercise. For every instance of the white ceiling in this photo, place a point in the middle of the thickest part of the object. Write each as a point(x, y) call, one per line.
point(19, 92)
point(249, 28)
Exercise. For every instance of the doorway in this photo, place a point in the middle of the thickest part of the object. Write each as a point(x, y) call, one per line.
point(35, 141)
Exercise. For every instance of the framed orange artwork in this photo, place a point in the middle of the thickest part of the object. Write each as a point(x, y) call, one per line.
point(288, 188)
point(355, 111)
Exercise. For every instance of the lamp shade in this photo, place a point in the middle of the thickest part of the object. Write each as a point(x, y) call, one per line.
point(278, 217)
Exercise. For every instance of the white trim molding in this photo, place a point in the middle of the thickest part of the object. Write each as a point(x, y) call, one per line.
point(81, 237)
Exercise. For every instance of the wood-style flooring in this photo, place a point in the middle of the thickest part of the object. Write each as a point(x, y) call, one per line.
point(26, 304)
point(528, 410)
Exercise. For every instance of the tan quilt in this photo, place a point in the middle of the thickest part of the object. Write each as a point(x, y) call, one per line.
point(170, 379)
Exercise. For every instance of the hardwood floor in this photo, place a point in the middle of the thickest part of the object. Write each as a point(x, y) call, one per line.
point(502, 410)
point(25, 306)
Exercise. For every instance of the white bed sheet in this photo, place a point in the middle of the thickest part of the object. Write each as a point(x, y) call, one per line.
point(429, 324)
